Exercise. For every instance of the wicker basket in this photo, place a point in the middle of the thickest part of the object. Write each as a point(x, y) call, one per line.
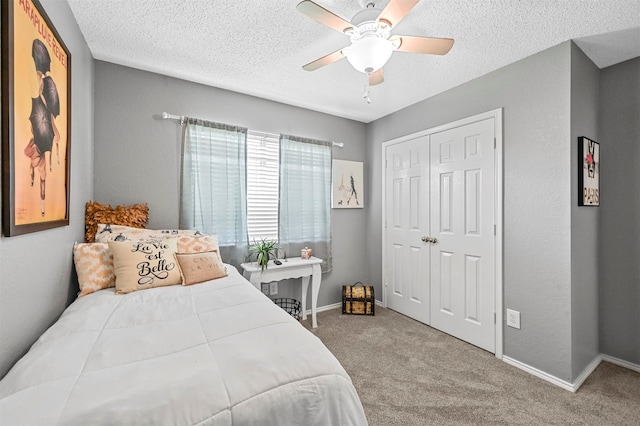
point(292, 306)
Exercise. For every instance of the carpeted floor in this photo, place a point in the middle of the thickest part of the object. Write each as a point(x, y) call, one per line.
point(407, 373)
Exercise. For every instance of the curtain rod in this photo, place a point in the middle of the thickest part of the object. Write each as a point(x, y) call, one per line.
point(167, 116)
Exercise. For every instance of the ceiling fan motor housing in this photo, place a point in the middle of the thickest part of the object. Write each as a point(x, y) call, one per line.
point(370, 48)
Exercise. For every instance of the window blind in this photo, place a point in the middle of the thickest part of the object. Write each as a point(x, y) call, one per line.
point(263, 168)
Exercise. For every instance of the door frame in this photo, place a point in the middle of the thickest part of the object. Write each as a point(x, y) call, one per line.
point(498, 183)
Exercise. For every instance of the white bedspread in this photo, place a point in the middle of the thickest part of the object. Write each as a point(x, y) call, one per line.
point(218, 353)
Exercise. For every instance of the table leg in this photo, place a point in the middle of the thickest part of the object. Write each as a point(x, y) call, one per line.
point(305, 287)
point(253, 279)
point(315, 290)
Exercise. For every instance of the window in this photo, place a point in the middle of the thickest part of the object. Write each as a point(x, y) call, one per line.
point(247, 185)
point(262, 185)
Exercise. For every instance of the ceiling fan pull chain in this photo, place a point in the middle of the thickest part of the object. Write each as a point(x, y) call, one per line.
point(367, 89)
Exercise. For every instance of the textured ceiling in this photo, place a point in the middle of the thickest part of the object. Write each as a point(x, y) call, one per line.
point(258, 47)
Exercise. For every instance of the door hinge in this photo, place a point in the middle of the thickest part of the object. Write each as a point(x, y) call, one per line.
point(494, 318)
point(495, 143)
point(385, 163)
point(494, 230)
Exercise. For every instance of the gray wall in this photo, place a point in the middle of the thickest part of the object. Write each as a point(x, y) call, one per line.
point(619, 133)
point(585, 77)
point(535, 95)
point(137, 155)
point(36, 273)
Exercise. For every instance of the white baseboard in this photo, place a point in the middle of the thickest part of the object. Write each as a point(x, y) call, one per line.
point(539, 373)
point(334, 306)
point(587, 372)
point(326, 307)
point(573, 387)
point(621, 363)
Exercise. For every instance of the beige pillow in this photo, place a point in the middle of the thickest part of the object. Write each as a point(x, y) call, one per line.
point(112, 232)
point(198, 243)
point(199, 267)
point(94, 266)
point(189, 240)
point(140, 265)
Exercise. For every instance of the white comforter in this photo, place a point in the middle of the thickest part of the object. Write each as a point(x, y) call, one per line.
point(218, 353)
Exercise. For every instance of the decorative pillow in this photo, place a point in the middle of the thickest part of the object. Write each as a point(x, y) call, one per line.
point(114, 232)
point(199, 267)
point(189, 240)
point(94, 266)
point(140, 265)
point(198, 243)
point(135, 215)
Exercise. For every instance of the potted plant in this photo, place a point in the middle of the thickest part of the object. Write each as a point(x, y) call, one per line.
point(262, 251)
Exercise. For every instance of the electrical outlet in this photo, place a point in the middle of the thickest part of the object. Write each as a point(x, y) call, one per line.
point(265, 288)
point(273, 288)
point(513, 318)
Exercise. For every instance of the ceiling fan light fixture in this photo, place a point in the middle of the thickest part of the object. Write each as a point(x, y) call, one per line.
point(369, 53)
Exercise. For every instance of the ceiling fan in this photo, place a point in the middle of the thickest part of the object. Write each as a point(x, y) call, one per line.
point(371, 41)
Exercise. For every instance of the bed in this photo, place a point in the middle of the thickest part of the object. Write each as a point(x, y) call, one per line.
point(215, 353)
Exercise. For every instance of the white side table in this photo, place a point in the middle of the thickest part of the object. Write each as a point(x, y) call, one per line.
point(293, 267)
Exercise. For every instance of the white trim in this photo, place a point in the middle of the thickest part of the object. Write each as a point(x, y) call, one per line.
point(326, 308)
point(539, 373)
point(496, 114)
point(383, 190)
point(497, 215)
point(621, 363)
point(335, 306)
point(571, 387)
point(586, 372)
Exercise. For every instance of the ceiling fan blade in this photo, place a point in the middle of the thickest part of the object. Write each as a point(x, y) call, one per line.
point(396, 10)
point(322, 15)
point(376, 77)
point(430, 45)
point(325, 60)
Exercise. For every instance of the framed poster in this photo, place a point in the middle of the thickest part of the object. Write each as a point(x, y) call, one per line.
point(347, 189)
point(36, 120)
point(588, 172)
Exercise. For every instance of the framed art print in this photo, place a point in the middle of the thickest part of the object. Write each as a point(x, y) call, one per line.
point(36, 120)
point(588, 172)
point(347, 185)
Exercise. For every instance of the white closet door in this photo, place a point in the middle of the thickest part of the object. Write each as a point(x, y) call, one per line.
point(462, 220)
point(407, 221)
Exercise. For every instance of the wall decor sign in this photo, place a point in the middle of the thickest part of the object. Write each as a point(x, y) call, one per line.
point(588, 172)
point(36, 120)
point(347, 185)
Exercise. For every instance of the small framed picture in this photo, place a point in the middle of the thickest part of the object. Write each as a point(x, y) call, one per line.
point(347, 185)
point(588, 172)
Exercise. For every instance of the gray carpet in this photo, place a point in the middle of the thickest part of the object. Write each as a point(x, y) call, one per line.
point(407, 373)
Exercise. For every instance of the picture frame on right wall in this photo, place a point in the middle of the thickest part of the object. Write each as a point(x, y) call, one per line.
point(588, 172)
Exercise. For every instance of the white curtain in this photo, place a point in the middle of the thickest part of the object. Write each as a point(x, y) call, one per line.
point(305, 197)
point(213, 185)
